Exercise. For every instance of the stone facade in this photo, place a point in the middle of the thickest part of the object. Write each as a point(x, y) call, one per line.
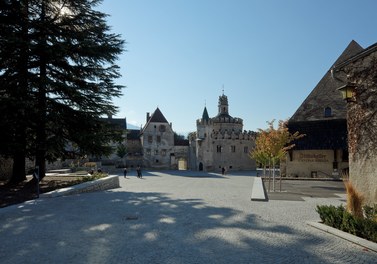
point(316, 163)
point(221, 142)
point(361, 70)
point(160, 148)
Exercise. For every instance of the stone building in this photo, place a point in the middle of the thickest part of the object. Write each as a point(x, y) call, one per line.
point(161, 149)
point(360, 72)
point(323, 152)
point(221, 142)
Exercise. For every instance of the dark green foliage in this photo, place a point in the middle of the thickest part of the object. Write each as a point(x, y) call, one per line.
point(57, 72)
point(331, 215)
point(370, 212)
point(121, 151)
point(350, 224)
point(339, 218)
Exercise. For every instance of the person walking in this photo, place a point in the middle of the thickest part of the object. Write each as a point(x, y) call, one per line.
point(138, 170)
point(125, 172)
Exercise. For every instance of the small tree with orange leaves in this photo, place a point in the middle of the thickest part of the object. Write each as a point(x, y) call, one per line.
point(272, 144)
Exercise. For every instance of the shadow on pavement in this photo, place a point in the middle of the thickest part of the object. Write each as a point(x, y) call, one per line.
point(149, 227)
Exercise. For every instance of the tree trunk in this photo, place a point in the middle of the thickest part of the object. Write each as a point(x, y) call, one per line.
point(18, 171)
point(21, 92)
point(41, 147)
point(273, 174)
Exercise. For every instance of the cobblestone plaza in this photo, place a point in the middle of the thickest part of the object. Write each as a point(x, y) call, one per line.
point(173, 217)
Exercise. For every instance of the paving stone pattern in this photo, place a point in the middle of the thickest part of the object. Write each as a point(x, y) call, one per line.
point(177, 217)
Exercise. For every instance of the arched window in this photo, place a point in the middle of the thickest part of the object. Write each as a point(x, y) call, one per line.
point(328, 112)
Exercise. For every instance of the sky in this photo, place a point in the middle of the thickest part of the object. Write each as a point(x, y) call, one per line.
point(266, 55)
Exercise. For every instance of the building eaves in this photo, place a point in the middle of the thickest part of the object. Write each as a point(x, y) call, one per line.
point(356, 57)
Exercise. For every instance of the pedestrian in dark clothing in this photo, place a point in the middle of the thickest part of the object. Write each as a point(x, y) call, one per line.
point(125, 172)
point(138, 170)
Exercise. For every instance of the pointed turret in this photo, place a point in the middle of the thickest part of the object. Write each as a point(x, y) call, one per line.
point(205, 116)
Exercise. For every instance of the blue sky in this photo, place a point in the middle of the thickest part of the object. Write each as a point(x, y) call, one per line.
point(267, 54)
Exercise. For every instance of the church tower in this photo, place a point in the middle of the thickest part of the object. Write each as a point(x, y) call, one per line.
point(220, 141)
point(223, 105)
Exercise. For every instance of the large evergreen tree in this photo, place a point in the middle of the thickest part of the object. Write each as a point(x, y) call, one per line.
point(70, 69)
point(14, 90)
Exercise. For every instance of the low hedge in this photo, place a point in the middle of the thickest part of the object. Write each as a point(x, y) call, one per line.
point(340, 218)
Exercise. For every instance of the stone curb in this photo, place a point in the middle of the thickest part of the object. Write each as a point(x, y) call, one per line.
point(354, 239)
point(106, 183)
point(258, 192)
point(301, 179)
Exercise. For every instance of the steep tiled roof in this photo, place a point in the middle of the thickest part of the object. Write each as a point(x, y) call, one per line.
point(359, 55)
point(325, 94)
point(157, 117)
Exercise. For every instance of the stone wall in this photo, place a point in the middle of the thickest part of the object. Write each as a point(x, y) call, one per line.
point(110, 182)
point(362, 125)
point(315, 164)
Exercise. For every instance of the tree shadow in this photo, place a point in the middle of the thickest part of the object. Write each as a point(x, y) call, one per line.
point(149, 227)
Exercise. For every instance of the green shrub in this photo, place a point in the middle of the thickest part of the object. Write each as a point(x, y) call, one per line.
point(370, 212)
point(331, 215)
point(339, 218)
point(350, 224)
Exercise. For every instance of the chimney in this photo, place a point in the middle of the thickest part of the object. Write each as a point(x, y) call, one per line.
point(148, 116)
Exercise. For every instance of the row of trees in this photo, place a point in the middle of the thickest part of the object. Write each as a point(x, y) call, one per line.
point(272, 145)
point(57, 73)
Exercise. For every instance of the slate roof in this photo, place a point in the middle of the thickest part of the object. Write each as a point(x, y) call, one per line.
point(157, 117)
point(205, 115)
point(325, 94)
point(359, 55)
point(118, 122)
point(133, 134)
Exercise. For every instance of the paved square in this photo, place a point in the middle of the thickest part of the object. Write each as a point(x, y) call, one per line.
point(172, 217)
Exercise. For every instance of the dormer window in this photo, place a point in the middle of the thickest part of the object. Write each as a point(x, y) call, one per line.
point(328, 112)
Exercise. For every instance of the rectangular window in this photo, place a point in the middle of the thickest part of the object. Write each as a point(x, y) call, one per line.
point(163, 152)
point(148, 151)
point(246, 150)
point(218, 148)
point(233, 149)
point(158, 139)
point(150, 139)
point(156, 152)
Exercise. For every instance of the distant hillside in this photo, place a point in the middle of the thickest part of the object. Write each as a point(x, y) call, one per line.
point(130, 126)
